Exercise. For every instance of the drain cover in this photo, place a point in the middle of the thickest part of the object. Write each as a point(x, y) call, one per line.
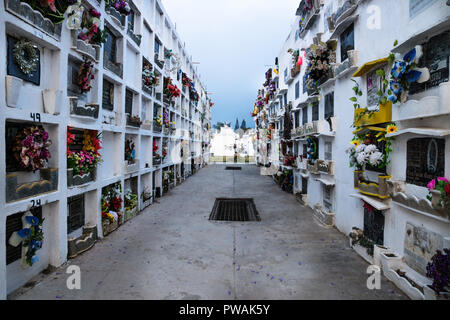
point(233, 168)
point(226, 209)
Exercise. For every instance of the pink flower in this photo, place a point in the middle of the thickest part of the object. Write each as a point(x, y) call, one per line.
point(431, 185)
point(442, 179)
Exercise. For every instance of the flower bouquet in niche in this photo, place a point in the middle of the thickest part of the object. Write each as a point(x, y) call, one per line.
point(111, 204)
point(149, 77)
point(404, 72)
point(51, 9)
point(81, 164)
point(85, 75)
point(440, 193)
point(31, 148)
point(371, 150)
point(321, 57)
point(121, 6)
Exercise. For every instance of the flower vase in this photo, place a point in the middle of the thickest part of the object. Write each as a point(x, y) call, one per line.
point(13, 88)
point(52, 100)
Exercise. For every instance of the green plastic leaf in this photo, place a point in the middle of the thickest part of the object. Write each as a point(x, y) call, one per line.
point(353, 99)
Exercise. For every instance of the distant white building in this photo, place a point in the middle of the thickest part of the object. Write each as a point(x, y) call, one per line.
point(225, 142)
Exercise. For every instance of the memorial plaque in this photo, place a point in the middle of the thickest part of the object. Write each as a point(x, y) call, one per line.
point(425, 160)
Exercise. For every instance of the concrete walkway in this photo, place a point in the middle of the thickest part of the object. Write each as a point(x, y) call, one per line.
point(172, 251)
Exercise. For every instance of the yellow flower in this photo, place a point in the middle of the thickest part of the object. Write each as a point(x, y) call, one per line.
point(391, 128)
point(355, 143)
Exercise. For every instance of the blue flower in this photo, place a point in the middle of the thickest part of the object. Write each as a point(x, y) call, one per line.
point(396, 87)
point(34, 221)
point(398, 69)
point(413, 76)
point(410, 56)
point(393, 98)
point(24, 233)
point(34, 259)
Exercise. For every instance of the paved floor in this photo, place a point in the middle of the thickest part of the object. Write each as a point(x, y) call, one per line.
point(172, 251)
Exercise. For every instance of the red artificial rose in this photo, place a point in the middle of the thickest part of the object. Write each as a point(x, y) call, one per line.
point(447, 189)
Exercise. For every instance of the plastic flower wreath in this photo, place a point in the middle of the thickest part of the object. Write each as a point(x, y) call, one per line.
point(31, 148)
point(442, 185)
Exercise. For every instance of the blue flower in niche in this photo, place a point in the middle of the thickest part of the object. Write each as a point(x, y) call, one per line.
point(24, 233)
point(398, 69)
point(34, 221)
point(393, 98)
point(34, 259)
point(413, 76)
point(396, 87)
point(410, 56)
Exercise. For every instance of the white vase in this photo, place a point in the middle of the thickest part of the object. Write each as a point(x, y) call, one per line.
point(13, 88)
point(52, 100)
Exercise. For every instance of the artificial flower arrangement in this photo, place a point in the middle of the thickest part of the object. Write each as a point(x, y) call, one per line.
point(371, 149)
point(438, 269)
point(51, 9)
point(112, 202)
point(296, 61)
point(321, 57)
point(185, 80)
point(131, 200)
point(404, 72)
point(268, 78)
point(130, 152)
point(149, 78)
point(30, 236)
point(164, 151)
point(31, 148)
point(158, 120)
point(171, 89)
point(193, 94)
point(85, 76)
point(121, 6)
point(166, 119)
point(306, 9)
point(86, 160)
point(87, 22)
point(442, 185)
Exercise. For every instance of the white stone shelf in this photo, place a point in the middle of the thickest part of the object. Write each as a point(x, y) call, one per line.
point(428, 106)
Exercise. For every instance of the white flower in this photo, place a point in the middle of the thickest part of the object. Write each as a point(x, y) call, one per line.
point(370, 148)
point(361, 158)
point(375, 158)
point(360, 148)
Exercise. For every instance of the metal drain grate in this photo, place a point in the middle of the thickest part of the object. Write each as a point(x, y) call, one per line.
point(233, 168)
point(226, 209)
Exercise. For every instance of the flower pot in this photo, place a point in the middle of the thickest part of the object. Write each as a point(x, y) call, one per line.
point(52, 100)
point(13, 88)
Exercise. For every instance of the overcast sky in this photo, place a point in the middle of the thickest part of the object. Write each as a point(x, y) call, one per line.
point(233, 40)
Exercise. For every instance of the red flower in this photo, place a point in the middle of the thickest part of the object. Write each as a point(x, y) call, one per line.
point(447, 189)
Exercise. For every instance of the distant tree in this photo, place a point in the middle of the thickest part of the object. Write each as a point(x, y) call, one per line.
point(218, 125)
point(243, 125)
point(236, 126)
